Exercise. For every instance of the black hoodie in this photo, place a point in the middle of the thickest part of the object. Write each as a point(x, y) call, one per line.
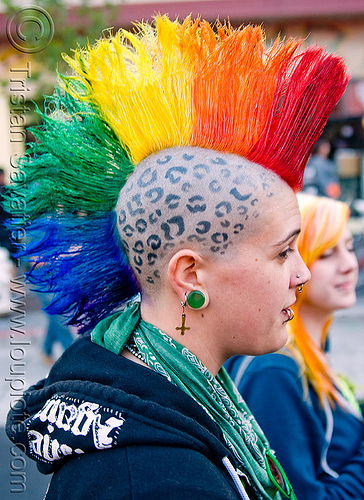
point(108, 428)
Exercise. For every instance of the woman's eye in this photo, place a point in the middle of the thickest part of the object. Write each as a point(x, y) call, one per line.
point(284, 254)
point(325, 255)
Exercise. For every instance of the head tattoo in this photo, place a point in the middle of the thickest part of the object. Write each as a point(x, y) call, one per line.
point(193, 198)
point(135, 100)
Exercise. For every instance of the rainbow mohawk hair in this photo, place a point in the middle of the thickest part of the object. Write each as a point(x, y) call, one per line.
point(185, 84)
point(130, 95)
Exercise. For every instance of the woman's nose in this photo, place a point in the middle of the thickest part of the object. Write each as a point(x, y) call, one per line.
point(302, 273)
point(348, 261)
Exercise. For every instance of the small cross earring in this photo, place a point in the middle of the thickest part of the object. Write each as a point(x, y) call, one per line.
point(183, 327)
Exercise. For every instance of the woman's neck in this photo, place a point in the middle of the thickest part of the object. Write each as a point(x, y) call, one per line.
point(198, 339)
point(314, 320)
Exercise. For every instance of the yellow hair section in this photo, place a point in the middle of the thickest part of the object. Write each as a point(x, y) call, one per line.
point(141, 86)
point(323, 222)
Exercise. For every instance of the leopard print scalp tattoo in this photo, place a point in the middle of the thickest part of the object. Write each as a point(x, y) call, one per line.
point(188, 197)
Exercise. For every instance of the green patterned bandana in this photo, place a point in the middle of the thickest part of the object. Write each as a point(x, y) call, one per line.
point(217, 395)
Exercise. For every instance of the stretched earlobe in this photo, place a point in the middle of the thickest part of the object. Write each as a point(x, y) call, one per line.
point(195, 299)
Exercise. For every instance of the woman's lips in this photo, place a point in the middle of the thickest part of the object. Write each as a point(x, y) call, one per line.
point(347, 286)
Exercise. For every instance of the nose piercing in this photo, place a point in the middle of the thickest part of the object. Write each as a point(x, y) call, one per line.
point(299, 288)
point(298, 275)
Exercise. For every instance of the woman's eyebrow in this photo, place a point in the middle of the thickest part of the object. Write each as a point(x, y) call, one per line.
point(291, 235)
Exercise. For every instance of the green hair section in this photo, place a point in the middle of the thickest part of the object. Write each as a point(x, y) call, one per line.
point(75, 164)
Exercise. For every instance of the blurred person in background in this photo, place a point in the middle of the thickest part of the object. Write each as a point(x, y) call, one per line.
point(57, 332)
point(307, 411)
point(321, 175)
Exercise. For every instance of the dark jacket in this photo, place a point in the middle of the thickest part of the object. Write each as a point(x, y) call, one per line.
point(108, 428)
point(321, 449)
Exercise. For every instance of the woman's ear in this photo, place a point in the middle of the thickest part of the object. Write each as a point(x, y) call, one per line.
point(186, 273)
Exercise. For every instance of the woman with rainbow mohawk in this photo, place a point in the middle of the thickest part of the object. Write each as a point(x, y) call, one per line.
point(161, 212)
point(323, 447)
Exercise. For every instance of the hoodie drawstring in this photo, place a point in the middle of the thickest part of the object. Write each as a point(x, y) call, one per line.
point(235, 478)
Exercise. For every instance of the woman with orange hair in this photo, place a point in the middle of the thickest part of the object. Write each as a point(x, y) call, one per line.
point(308, 413)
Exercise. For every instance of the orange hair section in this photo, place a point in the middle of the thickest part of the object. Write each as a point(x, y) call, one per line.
point(234, 90)
point(323, 222)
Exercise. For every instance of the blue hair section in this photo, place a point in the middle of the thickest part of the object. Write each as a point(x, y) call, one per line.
point(63, 198)
point(79, 259)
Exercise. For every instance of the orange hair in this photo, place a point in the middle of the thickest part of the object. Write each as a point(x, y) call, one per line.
point(323, 222)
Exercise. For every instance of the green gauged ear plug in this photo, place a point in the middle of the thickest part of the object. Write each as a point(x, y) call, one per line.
point(195, 299)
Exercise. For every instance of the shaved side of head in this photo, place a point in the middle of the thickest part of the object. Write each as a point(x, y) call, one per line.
point(189, 197)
